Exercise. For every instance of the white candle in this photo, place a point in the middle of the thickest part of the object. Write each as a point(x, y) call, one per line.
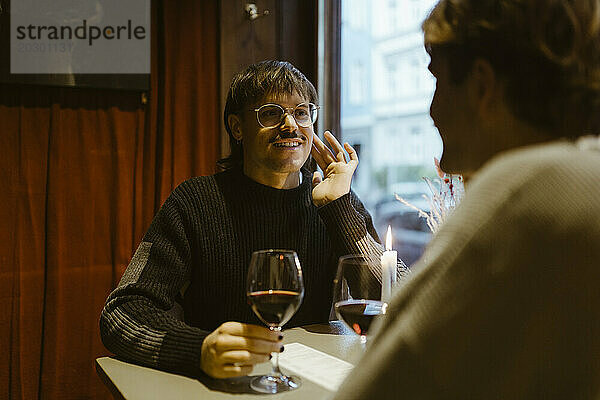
point(388, 268)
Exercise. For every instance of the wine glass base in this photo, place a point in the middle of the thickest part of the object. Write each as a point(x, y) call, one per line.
point(275, 384)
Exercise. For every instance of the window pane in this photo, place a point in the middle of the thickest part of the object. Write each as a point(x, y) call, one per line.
point(386, 93)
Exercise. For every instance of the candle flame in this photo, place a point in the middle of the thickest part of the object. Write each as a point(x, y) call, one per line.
point(388, 238)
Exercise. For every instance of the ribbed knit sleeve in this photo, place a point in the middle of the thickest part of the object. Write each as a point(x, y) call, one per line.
point(351, 228)
point(138, 321)
point(348, 227)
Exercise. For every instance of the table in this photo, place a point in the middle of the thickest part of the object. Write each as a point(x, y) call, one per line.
point(131, 382)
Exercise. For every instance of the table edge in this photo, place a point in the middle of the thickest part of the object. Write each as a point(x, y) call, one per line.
point(108, 383)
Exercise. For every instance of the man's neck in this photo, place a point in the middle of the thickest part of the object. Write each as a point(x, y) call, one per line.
point(512, 135)
point(287, 180)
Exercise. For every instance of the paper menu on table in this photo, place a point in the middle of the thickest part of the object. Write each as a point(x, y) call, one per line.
point(321, 368)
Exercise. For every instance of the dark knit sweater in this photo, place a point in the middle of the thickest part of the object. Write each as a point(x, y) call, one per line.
point(195, 255)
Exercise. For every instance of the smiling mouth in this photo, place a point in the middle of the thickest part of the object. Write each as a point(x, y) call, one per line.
point(288, 143)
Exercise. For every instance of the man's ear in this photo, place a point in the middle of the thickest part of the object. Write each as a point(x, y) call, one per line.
point(487, 91)
point(235, 124)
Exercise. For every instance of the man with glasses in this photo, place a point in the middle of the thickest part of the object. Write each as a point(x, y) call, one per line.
point(196, 253)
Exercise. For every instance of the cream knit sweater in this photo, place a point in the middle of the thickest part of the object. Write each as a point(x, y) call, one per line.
point(506, 303)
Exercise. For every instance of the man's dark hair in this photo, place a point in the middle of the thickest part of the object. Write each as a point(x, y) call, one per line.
point(547, 51)
point(254, 84)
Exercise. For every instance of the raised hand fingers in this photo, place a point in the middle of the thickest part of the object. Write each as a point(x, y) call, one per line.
point(353, 163)
point(351, 152)
point(317, 178)
point(321, 147)
point(325, 156)
point(337, 147)
point(321, 153)
point(317, 156)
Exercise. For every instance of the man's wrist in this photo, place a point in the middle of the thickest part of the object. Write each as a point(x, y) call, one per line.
point(328, 199)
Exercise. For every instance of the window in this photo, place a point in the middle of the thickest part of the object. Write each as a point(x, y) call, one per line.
point(416, 9)
point(392, 16)
point(357, 83)
point(355, 15)
point(393, 81)
point(393, 130)
point(416, 72)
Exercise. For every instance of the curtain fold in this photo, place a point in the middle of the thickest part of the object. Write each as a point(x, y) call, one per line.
point(82, 173)
point(188, 42)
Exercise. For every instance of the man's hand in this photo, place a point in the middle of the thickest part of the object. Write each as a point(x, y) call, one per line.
point(337, 169)
point(234, 348)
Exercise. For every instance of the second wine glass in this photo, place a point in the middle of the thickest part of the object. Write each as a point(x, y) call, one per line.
point(357, 293)
point(275, 291)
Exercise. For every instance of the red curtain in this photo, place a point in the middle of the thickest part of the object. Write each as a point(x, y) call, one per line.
point(82, 172)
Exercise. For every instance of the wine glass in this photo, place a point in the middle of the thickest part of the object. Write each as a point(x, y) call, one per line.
point(357, 292)
point(275, 290)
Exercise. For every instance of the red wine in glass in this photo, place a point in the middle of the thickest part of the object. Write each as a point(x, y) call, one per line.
point(359, 314)
point(357, 292)
point(274, 307)
point(275, 290)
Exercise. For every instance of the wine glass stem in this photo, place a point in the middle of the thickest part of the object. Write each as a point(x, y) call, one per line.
point(275, 365)
point(275, 359)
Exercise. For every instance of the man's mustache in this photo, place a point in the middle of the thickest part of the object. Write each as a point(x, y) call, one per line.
point(289, 135)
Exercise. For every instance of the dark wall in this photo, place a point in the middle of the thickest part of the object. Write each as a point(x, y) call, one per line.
point(289, 32)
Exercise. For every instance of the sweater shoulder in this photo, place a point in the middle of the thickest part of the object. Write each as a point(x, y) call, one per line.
point(558, 160)
point(196, 188)
point(197, 182)
point(192, 198)
point(550, 185)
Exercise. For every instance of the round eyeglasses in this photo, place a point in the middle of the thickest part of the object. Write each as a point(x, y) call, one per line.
point(271, 115)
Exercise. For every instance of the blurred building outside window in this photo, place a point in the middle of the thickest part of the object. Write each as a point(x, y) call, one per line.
point(384, 63)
